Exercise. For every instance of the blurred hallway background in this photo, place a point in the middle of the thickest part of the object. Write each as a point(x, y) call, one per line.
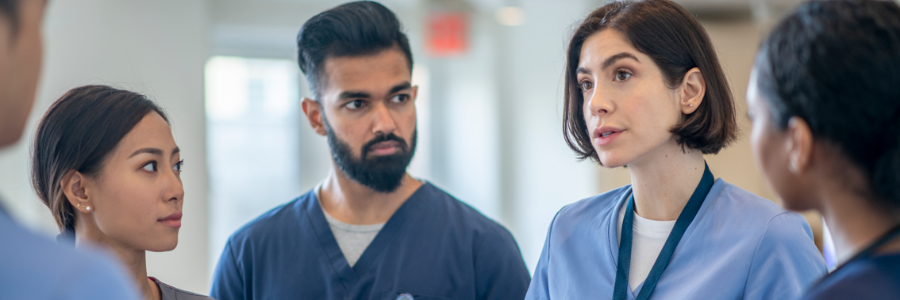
point(490, 106)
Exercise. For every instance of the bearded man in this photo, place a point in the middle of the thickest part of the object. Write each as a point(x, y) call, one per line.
point(369, 230)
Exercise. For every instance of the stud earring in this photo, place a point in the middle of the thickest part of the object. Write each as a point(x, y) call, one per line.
point(87, 208)
point(691, 105)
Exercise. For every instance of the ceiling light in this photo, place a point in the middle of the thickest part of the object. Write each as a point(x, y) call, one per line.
point(510, 16)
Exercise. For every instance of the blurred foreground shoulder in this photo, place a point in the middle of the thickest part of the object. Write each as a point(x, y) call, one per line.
point(34, 267)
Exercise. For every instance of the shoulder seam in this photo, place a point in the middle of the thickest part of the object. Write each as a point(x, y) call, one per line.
point(550, 230)
point(758, 244)
point(234, 261)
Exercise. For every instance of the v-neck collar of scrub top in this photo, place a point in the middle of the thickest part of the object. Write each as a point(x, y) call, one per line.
point(350, 275)
point(612, 234)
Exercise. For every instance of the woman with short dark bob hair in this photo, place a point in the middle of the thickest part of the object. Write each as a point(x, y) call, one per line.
point(107, 166)
point(824, 97)
point(644, 90)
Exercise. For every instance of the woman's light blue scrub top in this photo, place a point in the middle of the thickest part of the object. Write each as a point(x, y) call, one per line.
point(739, 246)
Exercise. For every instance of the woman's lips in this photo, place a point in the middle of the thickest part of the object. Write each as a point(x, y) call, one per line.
point(173, 220)
point(605, 135)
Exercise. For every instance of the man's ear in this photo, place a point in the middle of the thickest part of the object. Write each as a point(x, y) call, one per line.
point(693, 88)
point(799, 145)
point(73, 186)
point(415, 93)
point(313, 112)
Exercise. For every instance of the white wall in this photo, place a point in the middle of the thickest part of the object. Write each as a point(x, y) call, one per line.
point(466, 145)
point(154, 47)
point(540, 173)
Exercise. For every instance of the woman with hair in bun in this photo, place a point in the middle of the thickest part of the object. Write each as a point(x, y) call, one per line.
point(824, 98)
point(644, 90)
point(106, 165)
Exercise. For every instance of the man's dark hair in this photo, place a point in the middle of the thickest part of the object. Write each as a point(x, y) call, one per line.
point(676, 42)
point(351, 29)
point(78, 133)
point(836, 65)
point(9, 9)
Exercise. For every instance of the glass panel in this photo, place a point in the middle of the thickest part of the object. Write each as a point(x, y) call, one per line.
point(253, 115)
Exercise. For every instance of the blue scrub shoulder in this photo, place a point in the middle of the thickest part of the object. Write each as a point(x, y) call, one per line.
point(272, 222)
point(726, 204)
point(35, 267)
point(876, 277)
point(464, 216)
point(592, 207)
point(442, 205)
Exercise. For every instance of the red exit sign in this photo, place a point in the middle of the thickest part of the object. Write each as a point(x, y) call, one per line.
point(448, 33)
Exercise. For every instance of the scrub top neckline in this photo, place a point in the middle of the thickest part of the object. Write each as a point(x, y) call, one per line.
point(350, 275)
point(357, 228)
point(612, 234)
point(647, 227)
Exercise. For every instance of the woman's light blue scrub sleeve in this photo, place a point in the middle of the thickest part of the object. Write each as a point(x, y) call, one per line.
point(538, 289)
point(784, 265)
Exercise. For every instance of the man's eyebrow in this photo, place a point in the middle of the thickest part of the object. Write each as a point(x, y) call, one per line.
point(153, 151)
point(354, 94)
point(400, 87)
point(612, 59)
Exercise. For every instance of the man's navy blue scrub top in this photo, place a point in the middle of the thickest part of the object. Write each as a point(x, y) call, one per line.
point(433, 247)
point(876, 277)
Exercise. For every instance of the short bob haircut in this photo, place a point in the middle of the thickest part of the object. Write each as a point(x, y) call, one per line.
point(676, 42)
point(79, 131)
point(835, 64)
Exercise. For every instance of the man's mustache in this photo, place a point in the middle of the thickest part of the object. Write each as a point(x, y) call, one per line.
point(383, 138)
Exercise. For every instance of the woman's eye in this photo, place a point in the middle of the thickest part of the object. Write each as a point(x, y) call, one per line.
point(586, 85)
point(622, 75)
point(178, 166)
point(355, 104)
point(400, 98)
point(150, 166)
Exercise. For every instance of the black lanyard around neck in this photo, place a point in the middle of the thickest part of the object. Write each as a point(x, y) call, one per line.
point(681, 225)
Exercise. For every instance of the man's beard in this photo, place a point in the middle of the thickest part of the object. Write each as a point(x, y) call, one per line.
point(380, 173)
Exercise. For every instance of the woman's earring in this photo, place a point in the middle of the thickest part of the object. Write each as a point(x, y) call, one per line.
point(87, 208)
point(691, 105)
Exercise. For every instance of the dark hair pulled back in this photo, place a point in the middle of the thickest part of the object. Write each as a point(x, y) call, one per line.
point(836, 65)
point(10, 10)
point(78, 132)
